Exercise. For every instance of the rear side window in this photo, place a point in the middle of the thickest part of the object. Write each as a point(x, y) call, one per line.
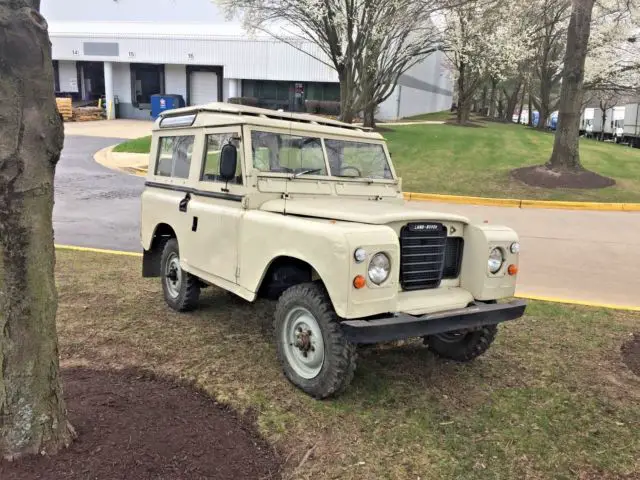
point(211, 164)
point(174, 156)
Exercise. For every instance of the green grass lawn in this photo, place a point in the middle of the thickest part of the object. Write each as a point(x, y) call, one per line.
point(138, 145)
point(477, 161)
point(443, 115)
point(550, 400)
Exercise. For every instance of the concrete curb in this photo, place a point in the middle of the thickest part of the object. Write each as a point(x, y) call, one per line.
point(516, 203)
point(131, 163)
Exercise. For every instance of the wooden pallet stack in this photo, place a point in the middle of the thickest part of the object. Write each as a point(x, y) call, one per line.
point(87, 114)
point(65, 108)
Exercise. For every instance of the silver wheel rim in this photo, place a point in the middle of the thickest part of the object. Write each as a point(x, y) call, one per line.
point(173, 275)
point(303, 343)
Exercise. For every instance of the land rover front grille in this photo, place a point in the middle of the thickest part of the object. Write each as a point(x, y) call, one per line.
point(427, 255)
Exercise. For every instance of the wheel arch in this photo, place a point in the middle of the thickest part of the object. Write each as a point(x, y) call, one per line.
point(151, 256)
point(283, 272)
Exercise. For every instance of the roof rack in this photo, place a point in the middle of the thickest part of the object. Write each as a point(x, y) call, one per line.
point(244, 110)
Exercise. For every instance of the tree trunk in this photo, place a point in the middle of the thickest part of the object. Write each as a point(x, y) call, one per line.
point(524, 92)
point(604, 120)
point(32, 411)
point(512, 103)
point(530, 119)
point(492, 98)
point(346, 96)
point(370, 116)
point(566, 151)
point(464, 98)
point(483, 101)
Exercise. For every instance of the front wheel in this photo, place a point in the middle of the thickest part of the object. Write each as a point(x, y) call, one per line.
point(181, 289)
point(462, 346)
point(314, 353)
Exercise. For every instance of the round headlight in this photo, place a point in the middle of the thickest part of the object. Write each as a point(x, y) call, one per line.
point(496, 259)
point(515, 247)
point(379, 268)
point(360, 255)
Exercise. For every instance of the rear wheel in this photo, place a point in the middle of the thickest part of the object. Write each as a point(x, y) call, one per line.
point(181, 289)
point(462, 346)
point(314, 353)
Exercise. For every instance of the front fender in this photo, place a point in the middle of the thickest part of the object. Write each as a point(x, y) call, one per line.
point(326, 245)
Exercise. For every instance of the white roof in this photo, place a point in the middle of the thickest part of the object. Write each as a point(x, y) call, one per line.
point(153, 30)
point(251, 115)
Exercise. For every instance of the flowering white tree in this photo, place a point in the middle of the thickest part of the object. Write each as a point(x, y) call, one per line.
point(369, 43)
point(482, 40)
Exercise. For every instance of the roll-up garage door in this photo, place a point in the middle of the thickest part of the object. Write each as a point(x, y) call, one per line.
point(204, 88)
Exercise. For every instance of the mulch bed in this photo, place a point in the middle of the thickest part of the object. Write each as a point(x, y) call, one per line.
point(631, 353)
point(134, 426)
point(541, 176)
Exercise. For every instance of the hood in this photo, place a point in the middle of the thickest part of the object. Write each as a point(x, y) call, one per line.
point(360, 211)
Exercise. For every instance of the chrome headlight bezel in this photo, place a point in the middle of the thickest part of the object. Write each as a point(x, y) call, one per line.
point(359, 255)
point(379, 268)
point(496, 260)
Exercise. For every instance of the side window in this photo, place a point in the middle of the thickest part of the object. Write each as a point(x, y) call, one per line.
point(174, 156)
point(211, 163)
point(277, 152)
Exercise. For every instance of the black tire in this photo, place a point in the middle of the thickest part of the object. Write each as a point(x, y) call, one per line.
point(462, 347)
point(188, 293)
point(339, 363)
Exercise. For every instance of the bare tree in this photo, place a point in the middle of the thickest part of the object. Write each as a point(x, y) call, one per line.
point(369, 43)
point(33, 418)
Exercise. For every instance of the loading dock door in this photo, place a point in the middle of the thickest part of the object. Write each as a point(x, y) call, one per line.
point(204, 88)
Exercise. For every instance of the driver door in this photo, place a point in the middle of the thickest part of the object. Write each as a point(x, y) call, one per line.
point(215, 209)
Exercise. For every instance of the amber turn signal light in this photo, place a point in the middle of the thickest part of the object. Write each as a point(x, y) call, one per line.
point(359, 282)
point(513, 270)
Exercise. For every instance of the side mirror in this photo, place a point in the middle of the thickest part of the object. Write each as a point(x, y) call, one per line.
point(228, 162)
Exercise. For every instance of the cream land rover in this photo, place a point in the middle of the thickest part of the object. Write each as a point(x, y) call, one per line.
point(309, 212)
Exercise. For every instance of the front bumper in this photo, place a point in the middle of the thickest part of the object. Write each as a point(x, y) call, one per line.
point(403, 325)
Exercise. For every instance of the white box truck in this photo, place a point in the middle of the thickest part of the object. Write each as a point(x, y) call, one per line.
point(586, 122)
point(631, 127)
point(617, 124)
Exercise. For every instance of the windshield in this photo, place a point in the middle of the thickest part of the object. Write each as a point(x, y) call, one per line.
point(300, 155)
point(357, 160)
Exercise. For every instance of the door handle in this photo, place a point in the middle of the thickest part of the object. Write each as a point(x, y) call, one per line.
point(184, 203)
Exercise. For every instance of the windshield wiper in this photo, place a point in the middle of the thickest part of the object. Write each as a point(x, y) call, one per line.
point(306, 172)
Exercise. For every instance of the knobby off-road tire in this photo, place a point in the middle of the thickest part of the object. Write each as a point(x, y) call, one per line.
point(327, 366)
point(181, 289)
point(462, 347)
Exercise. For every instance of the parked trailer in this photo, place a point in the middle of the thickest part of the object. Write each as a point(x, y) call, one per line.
point(586, 122)
point(617, 124)
point(631, 128)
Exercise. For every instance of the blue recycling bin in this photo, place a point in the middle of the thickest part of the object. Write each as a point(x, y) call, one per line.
point(160, 103)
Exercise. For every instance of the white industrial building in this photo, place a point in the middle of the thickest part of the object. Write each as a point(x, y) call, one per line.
point(128, 50)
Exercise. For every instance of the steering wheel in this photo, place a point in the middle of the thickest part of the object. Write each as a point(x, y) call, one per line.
point(349, 167)
point(281, 169)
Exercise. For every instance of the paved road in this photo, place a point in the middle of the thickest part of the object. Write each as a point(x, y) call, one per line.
point(95, 206)
point(583, 256)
